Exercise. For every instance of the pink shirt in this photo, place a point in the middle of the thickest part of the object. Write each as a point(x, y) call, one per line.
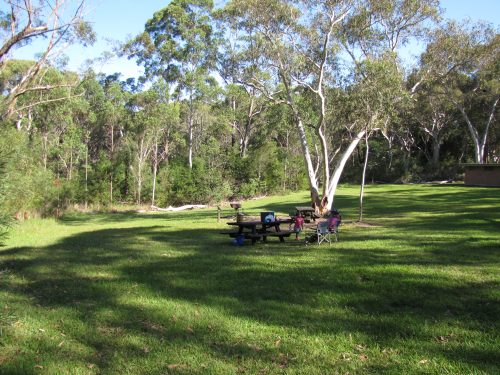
point(299, 222)
point(332, 222)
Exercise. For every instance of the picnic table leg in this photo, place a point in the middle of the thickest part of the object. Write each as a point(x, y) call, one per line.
point(264, 229)
point(277, 227)
point(254, 232)
point(240, 232)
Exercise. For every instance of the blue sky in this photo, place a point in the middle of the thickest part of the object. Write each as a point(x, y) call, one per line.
point(119, 19)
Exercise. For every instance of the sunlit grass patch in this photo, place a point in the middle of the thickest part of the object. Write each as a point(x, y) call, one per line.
point(414, 291)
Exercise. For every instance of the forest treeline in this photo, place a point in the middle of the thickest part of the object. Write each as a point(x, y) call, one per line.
point(257, 97)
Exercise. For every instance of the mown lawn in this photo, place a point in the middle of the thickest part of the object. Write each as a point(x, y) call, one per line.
point(418, 291)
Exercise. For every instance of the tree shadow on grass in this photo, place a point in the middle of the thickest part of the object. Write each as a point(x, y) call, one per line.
point(132, 216)
point(386, 300)
point(385, 297)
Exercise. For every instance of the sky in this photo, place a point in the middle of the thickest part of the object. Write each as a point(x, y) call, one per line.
point(117, 20)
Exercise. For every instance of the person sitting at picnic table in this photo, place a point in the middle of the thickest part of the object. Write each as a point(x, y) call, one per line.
point(334, 220)
point(298, 225)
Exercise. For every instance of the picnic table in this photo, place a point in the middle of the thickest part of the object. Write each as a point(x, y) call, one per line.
point(255, 230)
point(307, 212)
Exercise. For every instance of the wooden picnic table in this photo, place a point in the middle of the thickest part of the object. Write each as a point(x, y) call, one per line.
point(255, 230)
point(307, 212)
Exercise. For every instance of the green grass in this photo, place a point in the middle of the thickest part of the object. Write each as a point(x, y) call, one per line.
point(415, 292)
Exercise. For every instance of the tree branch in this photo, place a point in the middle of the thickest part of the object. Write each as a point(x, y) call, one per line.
point(17, 110)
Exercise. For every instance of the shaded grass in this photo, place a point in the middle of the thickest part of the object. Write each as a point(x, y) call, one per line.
point(165, 293)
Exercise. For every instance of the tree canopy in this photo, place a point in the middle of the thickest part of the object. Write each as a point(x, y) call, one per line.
point(251, 98)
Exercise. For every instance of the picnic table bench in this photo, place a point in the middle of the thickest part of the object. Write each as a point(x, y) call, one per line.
point(256, 230)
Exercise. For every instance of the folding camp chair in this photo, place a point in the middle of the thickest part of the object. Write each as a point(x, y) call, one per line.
point(322, 233)
point(319, 234)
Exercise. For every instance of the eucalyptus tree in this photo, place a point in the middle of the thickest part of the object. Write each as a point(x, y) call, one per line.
point(55, 24)
point(50, 119)
point(152, 124)
point(163, 130)
point(294, 46)
point(374, 35)
point(288, 147)
point(435, 115)
point(290, 45)
point(374, 100)
point(114, 118)
point(140, 136)
point(246, 110)
point(58, 119)
point(246, 103)
point(88, 112)
point(179, 44)
point(69, 151)
point(465, 60)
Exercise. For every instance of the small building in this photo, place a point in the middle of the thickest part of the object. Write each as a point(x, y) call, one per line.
point(482, 175)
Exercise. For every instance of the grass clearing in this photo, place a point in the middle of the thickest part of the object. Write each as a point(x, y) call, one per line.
point(417, 291)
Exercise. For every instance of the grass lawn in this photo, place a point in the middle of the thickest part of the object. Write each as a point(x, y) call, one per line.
point(416, 292)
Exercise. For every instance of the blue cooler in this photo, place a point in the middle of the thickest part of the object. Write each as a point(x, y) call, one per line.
point(267, 217)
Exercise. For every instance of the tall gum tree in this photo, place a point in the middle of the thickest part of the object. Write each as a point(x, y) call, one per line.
point(465, 60)
point(295, 46)
point(167, 114)
point(246, 103)
point(298, 45)
point(179, 44)
point(434, 115)
point(114, 118)
point(375, 98)
point(246, 109)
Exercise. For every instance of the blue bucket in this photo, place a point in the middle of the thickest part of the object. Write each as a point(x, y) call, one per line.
point(238, 241)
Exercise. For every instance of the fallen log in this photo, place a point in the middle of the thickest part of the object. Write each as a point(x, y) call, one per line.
point(181, 208)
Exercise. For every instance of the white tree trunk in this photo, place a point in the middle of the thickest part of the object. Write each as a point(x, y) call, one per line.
point(190, 133)
point(140, 163)
point(86, 173)
point(363, 179)
point(112, 152)
point(155, 170)
point(339, 168)
point(311, 173)
point(436, 148)
point(246, 131)
point(479, 142)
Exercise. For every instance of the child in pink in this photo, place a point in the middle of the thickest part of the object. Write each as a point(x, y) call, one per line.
point(298, 225)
